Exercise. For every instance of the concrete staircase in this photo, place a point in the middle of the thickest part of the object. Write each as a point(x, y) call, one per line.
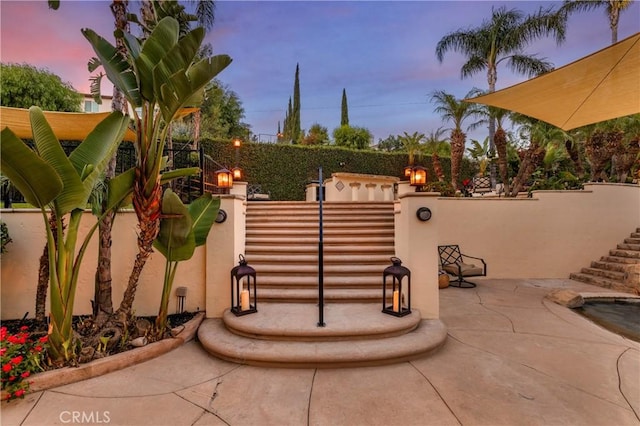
point(282, 246)
point(620, 270)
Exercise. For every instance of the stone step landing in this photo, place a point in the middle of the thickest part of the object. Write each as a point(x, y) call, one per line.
point(287, 335)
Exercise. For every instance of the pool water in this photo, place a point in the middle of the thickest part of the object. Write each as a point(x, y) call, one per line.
point(622, 316)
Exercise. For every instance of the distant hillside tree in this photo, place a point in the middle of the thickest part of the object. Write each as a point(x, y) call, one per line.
point(23, 86)
point(344, 118)
point(352, 137)
point(390, 144)
point(222, 113)
point(318, 135)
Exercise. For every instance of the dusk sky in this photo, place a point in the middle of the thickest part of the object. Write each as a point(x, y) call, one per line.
point(381, 52)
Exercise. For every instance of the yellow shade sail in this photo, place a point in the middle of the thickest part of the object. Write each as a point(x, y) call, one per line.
point(70, 126)
point(598, 87)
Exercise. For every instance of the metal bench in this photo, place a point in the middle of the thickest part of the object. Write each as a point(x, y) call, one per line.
point(255, 193)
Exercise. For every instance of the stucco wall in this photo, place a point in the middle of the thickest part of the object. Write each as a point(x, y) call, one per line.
point(20, 268)
point(547, 236)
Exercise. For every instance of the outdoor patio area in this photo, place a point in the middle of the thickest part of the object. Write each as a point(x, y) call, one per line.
point(512, 357)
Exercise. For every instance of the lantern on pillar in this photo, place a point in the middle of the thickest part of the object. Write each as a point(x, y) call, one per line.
point(418, 176)
point(243, 289)
point(237, 173)
point(407, 171)
point(224, 178)
point(400, 297)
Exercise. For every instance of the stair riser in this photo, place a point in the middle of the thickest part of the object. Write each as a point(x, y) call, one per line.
point(621, 260)
point(610, 266)
point(625, 253)
point(610, 275)
point(632, 247)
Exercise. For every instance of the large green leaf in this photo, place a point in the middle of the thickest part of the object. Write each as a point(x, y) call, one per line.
point(98, 148)
point(161, 40)
point(49, 149)
point(178, 91)
point(203, 212)
point(115, 66)
point(175, 240)
point(31, 175)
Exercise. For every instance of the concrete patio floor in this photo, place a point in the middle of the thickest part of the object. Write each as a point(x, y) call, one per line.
point(511, 358)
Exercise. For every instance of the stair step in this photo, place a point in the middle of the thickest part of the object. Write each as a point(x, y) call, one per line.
point(298, 321)
point(329, 259)
point(313, 248)
point(365, 240)
point(219, 341)
point(633, 240)
point(620, 259)
point(611, 275)
point(611, 266)
point(632, 254)
point(625, 246)
point(635, 234)
point(313, 233)
point(599, 281)
point(331, 269)
point(310, 295)
point(311, 280)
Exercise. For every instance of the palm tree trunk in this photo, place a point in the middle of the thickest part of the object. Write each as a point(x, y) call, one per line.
point(501, 148)
point(533, 157)
point(457, 151)
point(148, 210)
point(103, 301)
point(437, 167)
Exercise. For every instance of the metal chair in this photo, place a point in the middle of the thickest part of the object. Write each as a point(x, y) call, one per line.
point(452, 262)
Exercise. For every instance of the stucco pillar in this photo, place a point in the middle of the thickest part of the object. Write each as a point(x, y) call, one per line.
point(355, 187)
point(416, 244)
point(387, 192)
point(370, 191)
point(225, 243)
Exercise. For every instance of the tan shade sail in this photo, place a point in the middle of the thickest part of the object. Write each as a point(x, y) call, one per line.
point(598, 87)
point(70, 126)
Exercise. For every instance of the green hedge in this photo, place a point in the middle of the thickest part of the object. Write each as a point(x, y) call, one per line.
point(285, 170)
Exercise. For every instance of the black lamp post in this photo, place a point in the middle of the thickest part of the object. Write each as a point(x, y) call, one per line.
point(397, 272)
point(243, 289)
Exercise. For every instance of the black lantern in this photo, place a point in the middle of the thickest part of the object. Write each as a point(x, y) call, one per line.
point(418, 176)
point(397, 272)
point(243, 289)
point(407, 171)
point(224, 178)
point(237, 173)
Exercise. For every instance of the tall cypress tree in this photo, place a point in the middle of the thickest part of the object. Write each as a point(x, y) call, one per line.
point(295, 128)
point(344, 118)
point(288, 123)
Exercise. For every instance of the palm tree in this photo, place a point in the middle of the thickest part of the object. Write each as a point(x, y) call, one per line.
point(436, 145)
point(503, 39)
point(613, 9)
point(103, 302)
point(411, 144)
point(540, 135)
point(455, 111)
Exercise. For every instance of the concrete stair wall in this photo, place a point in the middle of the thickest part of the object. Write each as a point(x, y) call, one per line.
point(619, 270)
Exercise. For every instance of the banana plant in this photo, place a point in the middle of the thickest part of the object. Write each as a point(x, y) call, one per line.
point(182, 229)
point(159, 75)
point(49, 179)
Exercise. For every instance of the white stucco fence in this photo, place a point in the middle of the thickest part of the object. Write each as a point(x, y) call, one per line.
point(547, 236)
